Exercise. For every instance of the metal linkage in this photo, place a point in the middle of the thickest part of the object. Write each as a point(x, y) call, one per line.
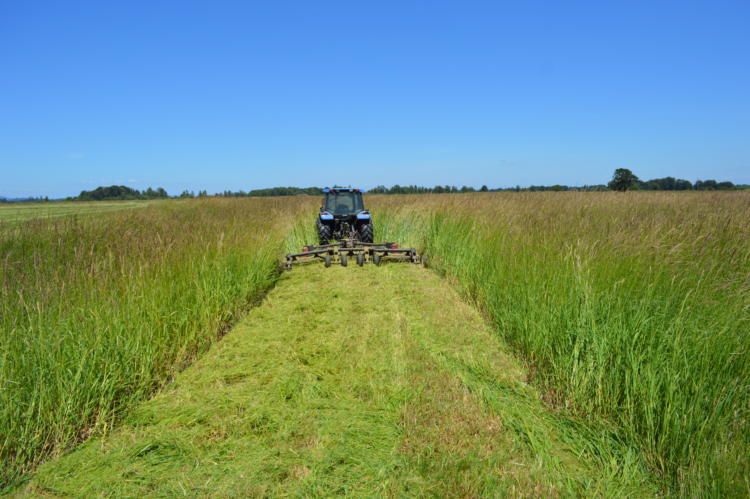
point(347, 249)
point(402, 254)
point(306, 255)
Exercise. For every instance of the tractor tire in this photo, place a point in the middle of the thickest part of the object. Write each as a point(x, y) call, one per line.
point(324, 233)
point(327, 260)
point(365, 233)
point(344, 258)
point(376, 259)
point(360, 259)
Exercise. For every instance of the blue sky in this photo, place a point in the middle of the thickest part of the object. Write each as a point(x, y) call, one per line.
point(240, 95)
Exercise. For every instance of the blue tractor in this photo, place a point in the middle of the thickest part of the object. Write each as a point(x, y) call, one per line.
point(343, 216)
point(344, 219)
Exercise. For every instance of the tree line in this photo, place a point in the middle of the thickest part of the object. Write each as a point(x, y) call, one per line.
point(119, 192)
point(40, 199)
point(622, 180)
point(452, 189)
point(274, 191)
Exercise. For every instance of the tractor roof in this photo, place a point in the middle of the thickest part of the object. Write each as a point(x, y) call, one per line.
point(340, 189)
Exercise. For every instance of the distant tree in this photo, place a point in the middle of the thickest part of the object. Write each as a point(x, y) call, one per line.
point(706, 185)
point(109, 193)
point(666, 184)
point(483, 189)
point(119, 192)
point(622, 180)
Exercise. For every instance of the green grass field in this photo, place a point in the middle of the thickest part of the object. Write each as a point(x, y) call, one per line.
point(18, 212)
point(559, 344)
point(391, 386)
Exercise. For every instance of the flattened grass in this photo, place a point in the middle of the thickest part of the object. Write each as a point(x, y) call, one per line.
point(363, 381)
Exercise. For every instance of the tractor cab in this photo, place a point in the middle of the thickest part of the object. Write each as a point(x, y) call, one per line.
point(343, 202)
point(343, 216)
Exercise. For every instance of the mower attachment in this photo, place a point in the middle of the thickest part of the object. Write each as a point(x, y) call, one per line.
point(347, 249)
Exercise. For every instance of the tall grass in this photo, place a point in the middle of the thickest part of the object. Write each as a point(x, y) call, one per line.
point(98, 312)
point(631, 309)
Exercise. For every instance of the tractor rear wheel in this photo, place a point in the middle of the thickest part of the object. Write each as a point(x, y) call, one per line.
point(324, 233)
point(365, 233)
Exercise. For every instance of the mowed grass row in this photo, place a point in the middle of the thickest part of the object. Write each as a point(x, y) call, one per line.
point(367, 382)
point(98, 312)
point(19, 212)
point(632, 309)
